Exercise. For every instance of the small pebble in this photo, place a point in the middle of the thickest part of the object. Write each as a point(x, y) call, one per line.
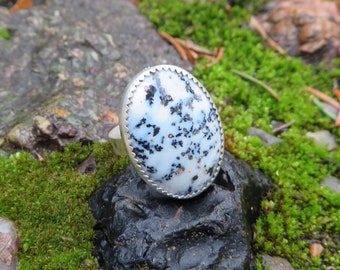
point(9, 244)
point(3, 153)
point(67, 131)
point(43, 125)
point(276, 263)
point(78, 82)
point(315, 249)
point(323, 138)
point(88, 166)
point(89, 263)
point(264, 136)
point(332, 182)
point(277, 124)
point(20, 136)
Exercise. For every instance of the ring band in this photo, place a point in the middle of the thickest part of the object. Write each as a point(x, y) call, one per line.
point(171, 131)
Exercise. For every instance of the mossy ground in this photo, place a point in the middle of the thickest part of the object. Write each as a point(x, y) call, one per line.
point(298, 211)
point(48, 200)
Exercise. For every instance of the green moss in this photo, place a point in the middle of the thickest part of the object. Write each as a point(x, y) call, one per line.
point(48, 200)
point(4, 33)
point(298, 211)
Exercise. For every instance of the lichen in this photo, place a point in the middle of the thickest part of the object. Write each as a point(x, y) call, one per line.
point(48, 200)
point(298, 211)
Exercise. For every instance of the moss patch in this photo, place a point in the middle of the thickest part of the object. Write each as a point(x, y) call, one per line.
point(298, 212)
point(48, 200)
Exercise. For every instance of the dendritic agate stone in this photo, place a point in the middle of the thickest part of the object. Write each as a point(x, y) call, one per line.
point(172, 130)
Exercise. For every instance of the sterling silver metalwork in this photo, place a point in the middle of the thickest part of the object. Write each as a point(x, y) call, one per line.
point(171, 130)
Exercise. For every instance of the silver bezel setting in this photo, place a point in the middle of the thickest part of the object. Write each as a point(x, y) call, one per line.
point(125, 133)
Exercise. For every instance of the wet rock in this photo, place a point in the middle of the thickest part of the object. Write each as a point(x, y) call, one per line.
point(9, 244)
point(276, 263)
point(323, 138)
point(264, 136)
point(332, 182)
point(137, 228)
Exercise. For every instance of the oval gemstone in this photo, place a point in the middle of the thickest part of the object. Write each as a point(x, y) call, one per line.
point(172, 130)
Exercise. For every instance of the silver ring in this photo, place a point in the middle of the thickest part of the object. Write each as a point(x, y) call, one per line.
point(171, 131)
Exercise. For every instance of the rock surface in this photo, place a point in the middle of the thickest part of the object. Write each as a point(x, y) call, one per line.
point(72, 63)
point(276, 263)
point(331, 182)
point(9, 244)
point(267, 138)
point(323, 138)
point(137, 228)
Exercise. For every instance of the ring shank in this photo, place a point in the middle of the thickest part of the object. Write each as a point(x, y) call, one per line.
point(118, 143)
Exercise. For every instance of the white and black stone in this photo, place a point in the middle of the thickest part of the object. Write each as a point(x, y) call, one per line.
point(172, 131)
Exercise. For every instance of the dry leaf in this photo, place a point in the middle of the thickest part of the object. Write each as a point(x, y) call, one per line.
point(325, 107)
point(188, 44)
point(284, 126)
point(21, 4)
point(176, 44)
point(328, 100)
point(337, 93)
point(189, 51)
point(323, 97)
point(256, 25)
point(337, 121)
point(254, 80)
point(219, 55)
point(136, 2)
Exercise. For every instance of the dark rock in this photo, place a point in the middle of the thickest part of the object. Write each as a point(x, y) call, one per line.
point(7, 3)
point(88, 166)
point(139, 229)
point(276, 263)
